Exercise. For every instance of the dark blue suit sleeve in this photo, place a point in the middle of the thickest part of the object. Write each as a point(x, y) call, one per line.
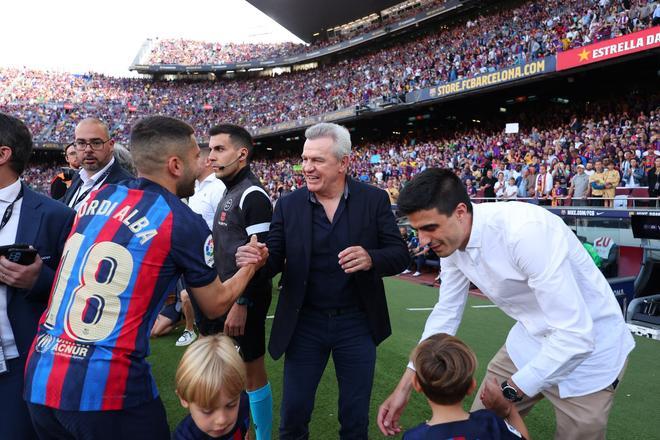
point(276, 243)
point(391, 257)
point(41, 289)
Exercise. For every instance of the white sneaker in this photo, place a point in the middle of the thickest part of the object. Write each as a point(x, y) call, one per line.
point(186, 338)
point(416, 274)
point(405, 272)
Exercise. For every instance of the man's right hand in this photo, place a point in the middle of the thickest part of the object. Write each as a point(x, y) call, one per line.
point(252, 253)
point(391, 409)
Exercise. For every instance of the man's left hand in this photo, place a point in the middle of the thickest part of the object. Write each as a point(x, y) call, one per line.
point(18, 275)
point(235, 322)
point(493, 399)
point(355, 258)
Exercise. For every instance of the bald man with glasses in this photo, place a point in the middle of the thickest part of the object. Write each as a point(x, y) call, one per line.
point(95, 149)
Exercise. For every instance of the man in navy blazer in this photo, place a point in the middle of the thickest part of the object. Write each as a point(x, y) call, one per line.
point(95, 150)
point(333, 240)
point(44, 224)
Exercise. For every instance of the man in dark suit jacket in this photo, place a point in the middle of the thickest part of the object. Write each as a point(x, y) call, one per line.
point(95, 150)
point(44, 224)
point(338, 237)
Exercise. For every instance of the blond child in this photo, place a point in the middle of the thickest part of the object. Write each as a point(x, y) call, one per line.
point(445, 368)
point(210, 383)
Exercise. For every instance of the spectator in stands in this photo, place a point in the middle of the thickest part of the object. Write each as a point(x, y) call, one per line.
point(511, 190)
point(392, 191)
point(557, 194)
point(612, 179)
point(579, 189)
point(634, 176)
point(487, 185)
point(567, 318)
point(471, 190)
point(597, 184)
point(544, 185)
point(531, 181)
point(500, 186)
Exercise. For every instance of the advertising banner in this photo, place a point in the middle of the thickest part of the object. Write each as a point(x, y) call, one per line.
point(609, 49)
point(513, 73)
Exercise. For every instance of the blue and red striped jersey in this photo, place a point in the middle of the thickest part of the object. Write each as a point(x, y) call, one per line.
point(128, 246)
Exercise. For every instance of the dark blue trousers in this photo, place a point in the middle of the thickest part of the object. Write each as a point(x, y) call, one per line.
point(15, 420)
point(318, 335)
point(147, 421)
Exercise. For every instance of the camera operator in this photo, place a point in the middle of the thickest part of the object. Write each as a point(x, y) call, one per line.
point(62, 181)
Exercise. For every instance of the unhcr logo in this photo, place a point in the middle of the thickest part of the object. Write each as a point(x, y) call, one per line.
point(45, 343)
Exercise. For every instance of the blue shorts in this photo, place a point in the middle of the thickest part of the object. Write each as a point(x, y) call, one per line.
point(147, 421)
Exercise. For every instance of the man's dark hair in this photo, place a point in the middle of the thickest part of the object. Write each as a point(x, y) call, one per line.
point(239, 136)
point(155, 138)
point(15, 135)
point(437, 188)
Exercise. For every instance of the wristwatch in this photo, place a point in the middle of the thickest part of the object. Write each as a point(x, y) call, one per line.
point(510, 392)
point(243, 301)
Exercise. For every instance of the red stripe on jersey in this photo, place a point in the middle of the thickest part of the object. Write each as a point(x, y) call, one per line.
point(142, 296)
point(58, 372)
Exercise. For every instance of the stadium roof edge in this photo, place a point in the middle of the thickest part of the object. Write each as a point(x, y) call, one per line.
point(304, 18)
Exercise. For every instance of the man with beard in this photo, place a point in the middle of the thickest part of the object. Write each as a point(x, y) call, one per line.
point(87, 376)
point(95, 148)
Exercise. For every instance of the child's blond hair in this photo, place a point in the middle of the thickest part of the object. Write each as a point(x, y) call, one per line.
point(209, 365)
point(444, 368)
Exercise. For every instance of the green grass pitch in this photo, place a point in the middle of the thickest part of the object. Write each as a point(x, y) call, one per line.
point(634, 415)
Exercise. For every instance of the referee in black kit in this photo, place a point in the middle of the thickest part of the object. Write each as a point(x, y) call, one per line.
point(245, 210)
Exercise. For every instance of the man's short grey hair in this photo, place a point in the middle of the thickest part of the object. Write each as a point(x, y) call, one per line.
point(340, 136)
point(125, 159)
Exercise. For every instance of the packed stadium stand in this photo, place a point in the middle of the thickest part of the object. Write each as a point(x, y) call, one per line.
point(483, 41)
point(52, 103)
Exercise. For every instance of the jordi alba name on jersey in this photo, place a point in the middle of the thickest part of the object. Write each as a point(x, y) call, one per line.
point(127, 248)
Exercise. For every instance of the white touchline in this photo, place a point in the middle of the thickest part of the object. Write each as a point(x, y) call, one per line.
point(420, 309)
point(488, 306)
point(270, 316)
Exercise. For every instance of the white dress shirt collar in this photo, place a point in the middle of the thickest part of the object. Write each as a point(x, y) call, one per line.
point(10, 192)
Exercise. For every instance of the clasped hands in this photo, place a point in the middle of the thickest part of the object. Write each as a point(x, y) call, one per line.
point(252, 253)
point(352, 259)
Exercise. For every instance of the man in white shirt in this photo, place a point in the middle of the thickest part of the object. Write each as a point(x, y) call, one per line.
point(208, 190)
point(95, 148)
point(570, 342)
point(543, 185)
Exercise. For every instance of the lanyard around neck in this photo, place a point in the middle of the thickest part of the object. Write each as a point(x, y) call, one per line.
point(10, 209)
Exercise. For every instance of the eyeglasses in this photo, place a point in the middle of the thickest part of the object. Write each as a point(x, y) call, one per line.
point(96, 144)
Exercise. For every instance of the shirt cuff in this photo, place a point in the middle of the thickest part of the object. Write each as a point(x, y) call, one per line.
point(528, 382)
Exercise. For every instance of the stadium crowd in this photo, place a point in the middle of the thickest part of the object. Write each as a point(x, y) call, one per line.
point(610, 130)
point(52, 103)
point(189, 52)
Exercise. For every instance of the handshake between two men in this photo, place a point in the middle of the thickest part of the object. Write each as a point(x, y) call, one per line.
point(352, 259)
